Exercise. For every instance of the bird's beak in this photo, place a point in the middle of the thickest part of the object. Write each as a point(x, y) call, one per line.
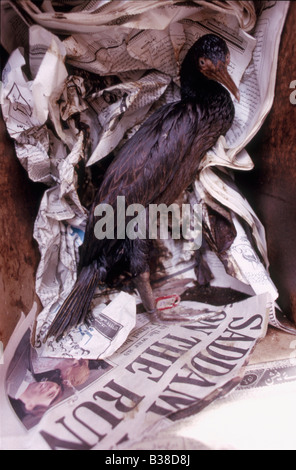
point(221, 75)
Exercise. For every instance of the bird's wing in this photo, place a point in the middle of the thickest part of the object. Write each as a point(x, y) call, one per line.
point(148, 161)
point(146, 165)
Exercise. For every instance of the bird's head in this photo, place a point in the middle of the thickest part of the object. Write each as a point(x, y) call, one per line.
point(211, 57)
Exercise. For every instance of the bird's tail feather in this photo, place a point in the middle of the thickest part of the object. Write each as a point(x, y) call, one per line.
point(76, 306)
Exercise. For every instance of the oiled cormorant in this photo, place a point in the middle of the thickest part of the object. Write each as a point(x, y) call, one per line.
point(155, 166)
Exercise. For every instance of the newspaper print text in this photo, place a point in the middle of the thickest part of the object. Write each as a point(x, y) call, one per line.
point(91, 423)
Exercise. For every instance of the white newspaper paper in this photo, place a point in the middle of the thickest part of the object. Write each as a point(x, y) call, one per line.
point(161, 374)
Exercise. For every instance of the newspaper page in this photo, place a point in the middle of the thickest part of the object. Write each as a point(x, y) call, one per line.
point(260, 413)
point(94, 62)
point(161, 374)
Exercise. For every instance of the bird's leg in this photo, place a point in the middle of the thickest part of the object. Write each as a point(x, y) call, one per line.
point(201, 268)
point(175, 315)
point(142, 283)
point(138, 253)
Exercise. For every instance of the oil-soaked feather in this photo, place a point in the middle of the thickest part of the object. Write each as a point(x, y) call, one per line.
point(75, 307)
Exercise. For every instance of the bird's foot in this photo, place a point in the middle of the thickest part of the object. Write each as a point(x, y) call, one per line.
point(175, 315)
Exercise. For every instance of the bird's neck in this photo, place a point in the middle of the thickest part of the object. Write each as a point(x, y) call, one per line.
point(199, 88)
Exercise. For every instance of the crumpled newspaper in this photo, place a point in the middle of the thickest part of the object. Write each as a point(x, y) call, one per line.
point(41, 116)
point(108, 330)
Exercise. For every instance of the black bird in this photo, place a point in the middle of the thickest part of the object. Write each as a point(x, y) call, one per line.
point(155, 166)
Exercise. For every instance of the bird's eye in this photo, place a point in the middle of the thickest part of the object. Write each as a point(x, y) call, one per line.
point(202, 62)
point(228, 59)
